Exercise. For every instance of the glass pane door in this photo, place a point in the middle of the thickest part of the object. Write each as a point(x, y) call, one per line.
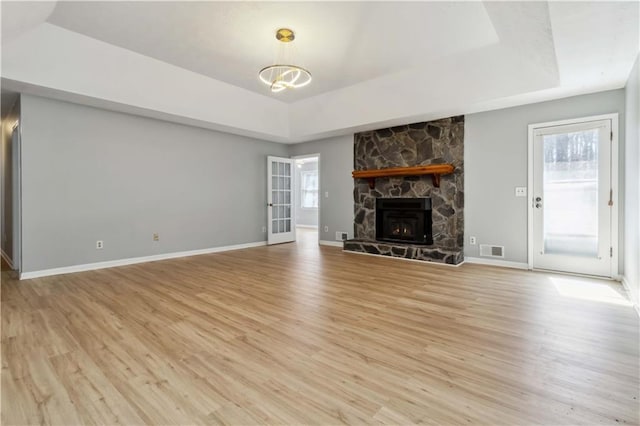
point(570, 193)
point(281, 222)
point(571, 198)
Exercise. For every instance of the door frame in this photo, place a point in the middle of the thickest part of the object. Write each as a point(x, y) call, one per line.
point(614, 183)
point(296, 186)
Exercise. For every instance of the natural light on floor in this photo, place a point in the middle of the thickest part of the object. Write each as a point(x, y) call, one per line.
point(585, 289)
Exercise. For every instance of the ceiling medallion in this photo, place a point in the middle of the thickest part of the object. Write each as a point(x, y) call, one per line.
point(285, 35)
point(281, 76)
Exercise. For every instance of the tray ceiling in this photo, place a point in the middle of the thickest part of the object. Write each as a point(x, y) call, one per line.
point(374, 64)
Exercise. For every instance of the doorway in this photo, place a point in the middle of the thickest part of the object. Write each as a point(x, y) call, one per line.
point(11, 199)
point(573, 188)
point(307, 198)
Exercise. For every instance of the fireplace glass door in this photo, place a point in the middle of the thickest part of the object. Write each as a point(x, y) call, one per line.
point(405, 220)
point(401, 228)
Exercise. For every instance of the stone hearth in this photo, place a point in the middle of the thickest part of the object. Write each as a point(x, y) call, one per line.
point(407, 251)
point(433, 142)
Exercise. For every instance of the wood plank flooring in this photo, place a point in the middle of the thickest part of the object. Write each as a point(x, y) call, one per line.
point(4, 266)
point(296, 334)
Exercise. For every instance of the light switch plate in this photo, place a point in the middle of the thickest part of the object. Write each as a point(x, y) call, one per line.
point(521, 191)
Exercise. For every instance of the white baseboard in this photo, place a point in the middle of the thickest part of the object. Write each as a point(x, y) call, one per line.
point(331, 243)
point(494, 262)
point(307, 226)
point(424, 262)
point(6, 258)
point(630, 295)
point(134, 260)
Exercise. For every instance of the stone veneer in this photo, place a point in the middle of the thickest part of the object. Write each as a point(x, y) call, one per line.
point(433, 142)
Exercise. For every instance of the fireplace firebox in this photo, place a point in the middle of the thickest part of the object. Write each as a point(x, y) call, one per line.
point(406, 220)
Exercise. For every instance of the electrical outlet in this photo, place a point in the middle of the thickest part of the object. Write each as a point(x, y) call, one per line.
point(341, 236)
point(156, 237)
point(99, 245)
point(326, 229)
point(472, 241)
point(521, 191)
point(264, 229)
point(326, 194)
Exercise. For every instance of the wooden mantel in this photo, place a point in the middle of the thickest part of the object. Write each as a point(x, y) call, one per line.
point(435, 170)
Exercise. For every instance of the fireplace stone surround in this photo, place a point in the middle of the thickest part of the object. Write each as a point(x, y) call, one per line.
point(434, 142)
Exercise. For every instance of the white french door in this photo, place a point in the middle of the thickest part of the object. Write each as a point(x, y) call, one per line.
point(572, 197)
point(281, 221)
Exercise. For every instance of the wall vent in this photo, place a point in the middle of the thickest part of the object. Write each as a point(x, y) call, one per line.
point(341, 236)
point(487, 250)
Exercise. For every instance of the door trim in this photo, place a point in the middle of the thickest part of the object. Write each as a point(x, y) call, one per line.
point(614, 182)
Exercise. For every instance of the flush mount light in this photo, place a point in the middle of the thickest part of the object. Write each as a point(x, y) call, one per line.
point(282, 76)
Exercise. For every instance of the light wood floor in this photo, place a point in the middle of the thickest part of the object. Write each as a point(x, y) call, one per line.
point(4, 266)
point(295, 334)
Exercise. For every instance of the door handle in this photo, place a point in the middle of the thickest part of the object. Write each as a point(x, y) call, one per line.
point(538, 203)
point(270, 204)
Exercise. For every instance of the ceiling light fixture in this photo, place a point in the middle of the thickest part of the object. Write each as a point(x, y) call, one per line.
point(280, 77)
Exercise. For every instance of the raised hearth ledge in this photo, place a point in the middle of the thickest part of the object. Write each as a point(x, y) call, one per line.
point(406, 251)
point(404, 259)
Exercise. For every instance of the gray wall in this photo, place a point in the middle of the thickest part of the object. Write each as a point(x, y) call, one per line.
point(632, 187)
point(495, 163)
point(6, 234)
point(91, 174)
point(336, 164)
point(305, 216)
point(495, 155)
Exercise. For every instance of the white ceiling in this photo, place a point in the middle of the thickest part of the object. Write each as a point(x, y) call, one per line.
point(341, 43)
point(374, 63)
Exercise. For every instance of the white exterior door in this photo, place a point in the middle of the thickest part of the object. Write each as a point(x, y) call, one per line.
point(281, 226)
point(572, 198)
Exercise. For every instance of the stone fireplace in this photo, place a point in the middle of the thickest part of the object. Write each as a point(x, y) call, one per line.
point(418, 144)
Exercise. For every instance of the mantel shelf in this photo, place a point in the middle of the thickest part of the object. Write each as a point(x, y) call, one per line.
point(435, 170)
